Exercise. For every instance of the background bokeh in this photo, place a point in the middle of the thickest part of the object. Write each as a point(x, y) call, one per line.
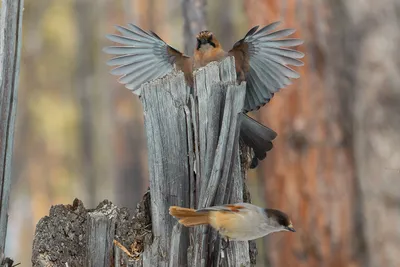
point(335, 166)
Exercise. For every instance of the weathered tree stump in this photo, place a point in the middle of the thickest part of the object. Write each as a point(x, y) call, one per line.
point(193, 153)
point(74, 236)
point(194, 161)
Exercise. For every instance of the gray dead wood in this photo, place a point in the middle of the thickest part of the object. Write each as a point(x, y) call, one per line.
point(100, 235)
point(165, 122)
point(194, 161)
point(193, 142)
point(73, 235)
point(10, 49)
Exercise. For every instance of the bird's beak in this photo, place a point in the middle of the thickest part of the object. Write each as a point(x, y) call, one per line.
point(290, 228)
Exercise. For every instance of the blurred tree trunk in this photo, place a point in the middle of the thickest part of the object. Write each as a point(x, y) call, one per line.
point(94, 141)
point(310, 171)
point(225, 22)
point(87, 22)
point(365, 46)
point(10, 56)
point(130, 151)
point(26, 148)
point(84, 89)
point(128, 130)
point(220, 17)
point(194, 21)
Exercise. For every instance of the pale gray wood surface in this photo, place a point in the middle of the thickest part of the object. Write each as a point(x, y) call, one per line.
point(194, 161)
point(165, 122)
point(10, 54)
point(100, 235)
point(218, 130)
point(193, 142)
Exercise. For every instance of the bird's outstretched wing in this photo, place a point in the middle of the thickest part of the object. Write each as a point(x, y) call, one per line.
point(143, 56)
point(262, 61)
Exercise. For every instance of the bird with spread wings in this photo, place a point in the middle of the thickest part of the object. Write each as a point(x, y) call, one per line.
point(262, 59)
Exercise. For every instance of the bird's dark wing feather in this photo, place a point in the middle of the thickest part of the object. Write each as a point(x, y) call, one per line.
point(256, 135)
point(142, 57)
point(263, 61)
point(226, 207)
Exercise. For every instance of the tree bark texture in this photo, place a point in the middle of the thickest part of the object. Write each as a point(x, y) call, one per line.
point(10, 54)
point(310, 172)
point(335, 164)
point(74, 235)
point(193, 152)
point(366, 70)
point(194, 161)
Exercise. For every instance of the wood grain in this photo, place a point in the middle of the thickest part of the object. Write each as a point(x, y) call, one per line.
point(10, 54)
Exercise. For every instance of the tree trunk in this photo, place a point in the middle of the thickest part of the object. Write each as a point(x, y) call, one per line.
point(10, 54)
point(191, 167)
point(310, 171)
point(365, 48)
point(86, 23)
point(194, 161)
point(194, 15)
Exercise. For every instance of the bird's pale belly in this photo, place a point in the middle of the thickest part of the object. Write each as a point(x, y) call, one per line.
point(235, 226)
point(243, 234)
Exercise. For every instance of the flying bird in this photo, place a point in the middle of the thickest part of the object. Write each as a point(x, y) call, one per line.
point(262, 59)
point(237, 222)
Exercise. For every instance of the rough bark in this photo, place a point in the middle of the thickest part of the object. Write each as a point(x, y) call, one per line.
point(197, 177)
point(10, 54)
point(194, 161)
point(310, 172)
point(67, 235)
point(366, 66)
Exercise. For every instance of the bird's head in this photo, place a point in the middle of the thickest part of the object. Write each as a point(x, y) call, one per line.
point(206, 40)
point(279, 220)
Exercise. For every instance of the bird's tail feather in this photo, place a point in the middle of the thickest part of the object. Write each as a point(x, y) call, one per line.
point(256, 136)
point(189, 217)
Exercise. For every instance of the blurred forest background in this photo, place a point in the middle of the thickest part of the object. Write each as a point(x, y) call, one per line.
point(335, 166)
